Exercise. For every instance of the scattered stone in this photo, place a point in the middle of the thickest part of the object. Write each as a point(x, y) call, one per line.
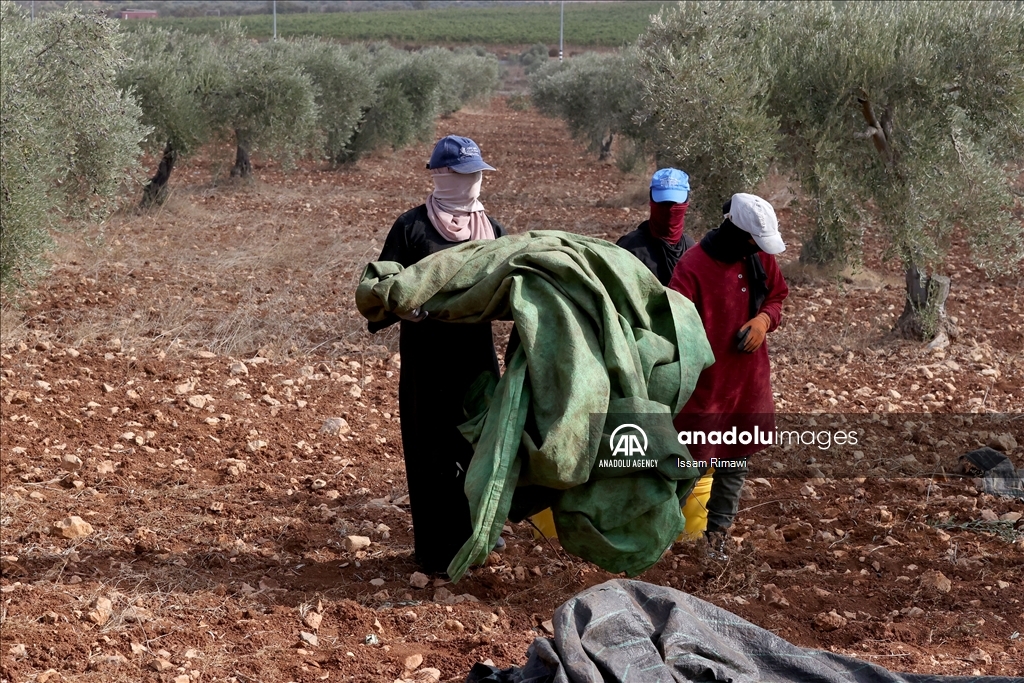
point(427, 675)
point(72, 527)
point(137, 615)
point(238, 368)
point(989, 515)
point(884, 516)
point(255, 446)
point(233, 466)
point(354, 391)
point(410, 616)
point(412, 662)
point(160, 665)
point(107, 661)
point(979, 656)
point(309, 638)
point(18, 651)
point(377, 582)
point(1002, 442)
point(106, 467)
point(829, 621)
point(796, 531)
point(934, 580)
point(354, 543)
point(48, 676)
point(548, 627)
point(1012, 517)
point(442, 595)
point(773, 595)
point(312, 619)
point(335, 426)
point(454, 625)
point(419, 580)
point(102, 610)
point(197, 401)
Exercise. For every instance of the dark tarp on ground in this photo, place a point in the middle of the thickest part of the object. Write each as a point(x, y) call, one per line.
point(603, 344)
point(636, 632)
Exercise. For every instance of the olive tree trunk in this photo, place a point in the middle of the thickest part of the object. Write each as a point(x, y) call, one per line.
point(243, 166)
point(155, 191)
point(606, 147)
point(924, 312)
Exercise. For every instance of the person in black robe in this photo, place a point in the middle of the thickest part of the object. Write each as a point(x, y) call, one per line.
point(440, 360)
point(659, 241)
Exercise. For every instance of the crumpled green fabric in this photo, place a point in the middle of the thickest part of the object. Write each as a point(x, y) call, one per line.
point(603, 344)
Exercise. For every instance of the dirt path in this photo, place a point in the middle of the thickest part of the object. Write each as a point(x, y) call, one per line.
point(169, 384)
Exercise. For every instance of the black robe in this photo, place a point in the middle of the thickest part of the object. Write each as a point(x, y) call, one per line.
point(655, 253)
point(439, 362)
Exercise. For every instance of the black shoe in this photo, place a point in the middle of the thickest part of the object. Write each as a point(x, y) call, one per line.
point(500, 545)
point(716, 545)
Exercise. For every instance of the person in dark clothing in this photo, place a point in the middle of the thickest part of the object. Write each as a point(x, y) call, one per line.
point(735, 283)
point(659, 241)
point(440, 360)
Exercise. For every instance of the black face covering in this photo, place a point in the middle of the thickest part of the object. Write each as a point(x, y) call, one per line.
point(729, 243)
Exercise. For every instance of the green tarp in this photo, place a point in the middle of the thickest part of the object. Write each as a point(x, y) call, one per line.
point(603, 345)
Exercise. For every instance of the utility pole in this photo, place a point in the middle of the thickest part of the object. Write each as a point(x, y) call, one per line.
point(275, 19)
point(561, 31)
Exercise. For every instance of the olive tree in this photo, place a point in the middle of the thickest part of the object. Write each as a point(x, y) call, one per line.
point(467, 74)
point(344, 88)
point(267, 100)
point(705, 71)
point(596, 94)
point(903, 114)
point(69, 136)
point(175, 77)
point(405, 101)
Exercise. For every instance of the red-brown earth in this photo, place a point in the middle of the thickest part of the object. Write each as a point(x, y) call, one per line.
point(219, 509)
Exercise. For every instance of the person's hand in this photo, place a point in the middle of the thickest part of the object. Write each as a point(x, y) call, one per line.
point(414, 316)
point(752, 334)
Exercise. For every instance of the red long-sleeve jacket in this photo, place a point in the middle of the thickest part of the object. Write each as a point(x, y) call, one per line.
point(737, 387)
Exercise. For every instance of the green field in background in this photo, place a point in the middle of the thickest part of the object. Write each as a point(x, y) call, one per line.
point(605, 24)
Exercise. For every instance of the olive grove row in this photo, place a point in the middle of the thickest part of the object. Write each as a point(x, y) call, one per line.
point(904, 115)
point(82, 101)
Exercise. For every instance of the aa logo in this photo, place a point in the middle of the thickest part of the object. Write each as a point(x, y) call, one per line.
point(626, 441)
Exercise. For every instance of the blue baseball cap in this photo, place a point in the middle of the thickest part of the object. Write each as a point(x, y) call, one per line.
point(460, 154)
point(670, 185)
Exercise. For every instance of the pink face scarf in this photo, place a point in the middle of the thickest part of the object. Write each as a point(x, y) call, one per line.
point(454, 207)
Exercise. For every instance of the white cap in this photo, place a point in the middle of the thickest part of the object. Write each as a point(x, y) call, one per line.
point(752, 214)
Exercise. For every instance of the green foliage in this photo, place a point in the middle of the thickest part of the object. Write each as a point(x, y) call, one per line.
point(533, 57)
point(68, 135)
point(609, 24)
point(174, 77)
point(268, 101)
point(405, 100)
point(596, 94)
point(466, 75)
point(704, 74)
point(343, 86)
point(904, 112)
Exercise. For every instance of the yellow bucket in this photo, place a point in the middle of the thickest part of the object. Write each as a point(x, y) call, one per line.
point(695, 511)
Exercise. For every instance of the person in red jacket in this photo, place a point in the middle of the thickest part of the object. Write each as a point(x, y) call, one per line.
point(735, 283)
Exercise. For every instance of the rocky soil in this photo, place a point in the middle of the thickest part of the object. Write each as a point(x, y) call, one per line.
point(201, 459)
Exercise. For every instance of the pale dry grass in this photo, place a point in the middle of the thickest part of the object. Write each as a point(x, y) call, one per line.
point(238, 274)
